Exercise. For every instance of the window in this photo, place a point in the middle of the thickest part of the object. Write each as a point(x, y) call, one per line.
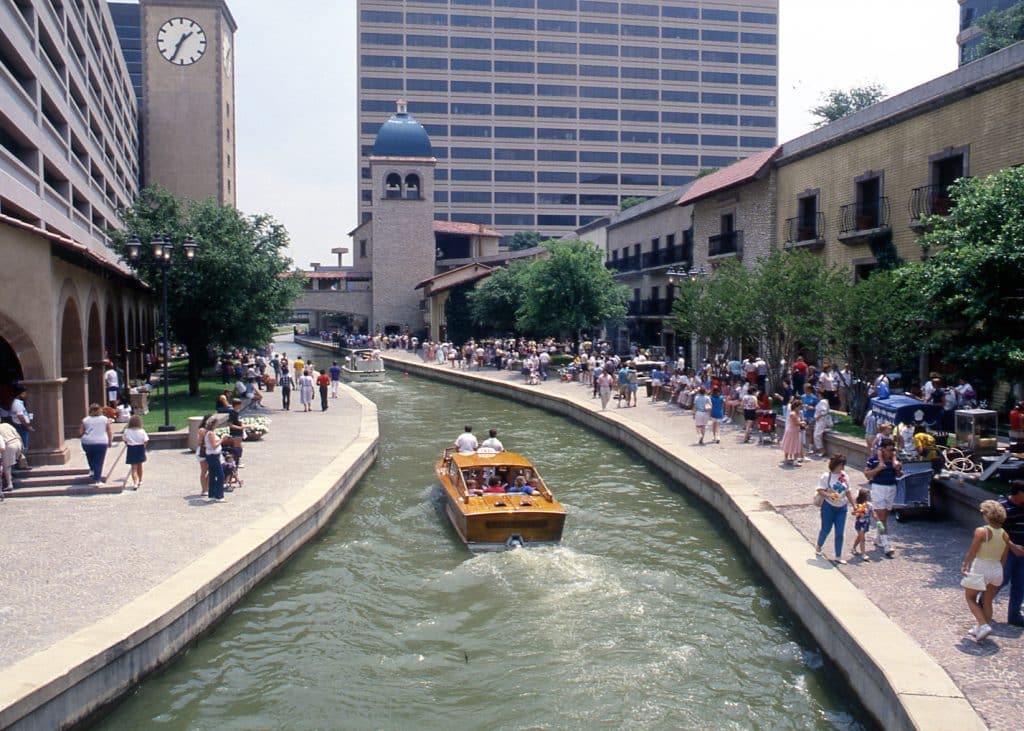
point(759, 59)
point(514, 67)
point(467, 108)
point(512, 44)
point(638, 52)
point(512, 153)
point(471, 87)
point(471, 175)
point(427, 85)
point(426, 62)
point(471, 64)
point(639, 158)
point(372, 82)
point(598, 135)
point(555, 176)
point(468, 217)
point(513, 219)
point(598, 49)
point(610, 29)
point(679, 117)
point(679, 160)
point(757, 141)
point(419, 107)
point(689, 34)
point(436, 130)
point(514, 198)
point(599, 92)
point(588, 178)
point(757, 79)
point(504, 87)
point(393, 186)
point(719, 119)
point(556, 199)
point(470, 130)
point(757, 100)
point(471, 21)
point(381, 16)
point(381, 39)
point(427, 41)
point(594, 113)
point(426, 19)
point(412, 186)
point(767, 39)
point(725, 15)
point(556, 47)
point(678, 138)
point(586, 70)
point(557, 112)
point(555, 220)
point(762, 18)
point(362, 248)
point(869, 202)
point(718, 77)
point(471, 153)
point(514, 132)
point(471, 196)
point(639, 179)
point(639, 9)
point(806, 218)
point(556, 155)
point(556, 133)
point(599, 199)
point(634, 72)
point(556, 90)
point(650, 94)
point(716, 161)
point(471, 42)
point(514, 3)
point(719, 56)
point(598, 156)
point(394, 62)
point(513, 110)
point(718, 140)
point(639, 31)
point(679, 54)
point(753, 121)
point(556, 4)
point(642, 137)
point(670, 12)
point(513, 176)
point(599, 6)
point(688, 97)
point(678, 75)
point(557, 26)
point(504, 22)
point(639, 115)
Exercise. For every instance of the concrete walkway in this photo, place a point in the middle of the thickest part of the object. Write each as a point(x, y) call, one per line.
point(918, 589)
point(67, 562)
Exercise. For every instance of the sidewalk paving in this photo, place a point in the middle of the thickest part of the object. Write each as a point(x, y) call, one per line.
point(66, 562)
point(919, 588)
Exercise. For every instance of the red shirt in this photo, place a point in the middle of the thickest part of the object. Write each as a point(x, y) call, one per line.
point(323, 380)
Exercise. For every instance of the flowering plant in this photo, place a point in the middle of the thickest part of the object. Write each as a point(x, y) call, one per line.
point(255, 427)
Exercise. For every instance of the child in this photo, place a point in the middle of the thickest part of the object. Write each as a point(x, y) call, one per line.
point(231, 480)
point(862, 523)
point(985, 559)
point(135, 438)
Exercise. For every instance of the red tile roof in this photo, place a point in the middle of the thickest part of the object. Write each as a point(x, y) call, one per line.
point(468, 229)
point(738, 172)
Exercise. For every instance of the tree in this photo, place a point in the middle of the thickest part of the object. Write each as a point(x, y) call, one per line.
point(999, 29)
point(494, 302)
point(718, 308)
point(838, 103)
point(234, 292)
point(878, 325)
point(457, 316)
point(633, 200)
point(525, 240)
point(569, 291)
point(974, 281)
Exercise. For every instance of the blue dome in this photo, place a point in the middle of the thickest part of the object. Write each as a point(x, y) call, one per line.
point(402, 136)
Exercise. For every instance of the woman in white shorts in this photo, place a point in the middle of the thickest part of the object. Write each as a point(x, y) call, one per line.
point(985, 559)
point(701, 409)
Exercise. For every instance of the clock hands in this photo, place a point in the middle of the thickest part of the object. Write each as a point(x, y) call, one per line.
point(177, 46)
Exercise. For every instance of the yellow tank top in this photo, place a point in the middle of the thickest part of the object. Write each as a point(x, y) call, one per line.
point(992, 549)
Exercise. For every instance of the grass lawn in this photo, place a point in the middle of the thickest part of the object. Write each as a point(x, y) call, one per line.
point(847, 426)
point(182, 405)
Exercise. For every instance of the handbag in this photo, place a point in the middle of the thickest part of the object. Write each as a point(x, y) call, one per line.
point(973, 581)
point(819, 499)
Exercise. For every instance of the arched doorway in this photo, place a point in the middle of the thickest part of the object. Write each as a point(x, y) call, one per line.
point(94, 355)
point(10, 372)
point(72, 367)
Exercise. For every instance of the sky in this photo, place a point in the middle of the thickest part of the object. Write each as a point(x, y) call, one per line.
point(295, 71)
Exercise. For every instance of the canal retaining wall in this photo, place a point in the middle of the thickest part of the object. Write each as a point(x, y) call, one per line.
point(75, 679)
point(895, 679)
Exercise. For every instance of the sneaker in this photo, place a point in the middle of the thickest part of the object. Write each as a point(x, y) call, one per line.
point(819, 554)
point(218, 500)
point(973, 631)
point(983, 632)
point(840, 561)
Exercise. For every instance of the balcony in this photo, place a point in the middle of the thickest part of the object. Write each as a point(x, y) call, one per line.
point(929, 200)
point(806, 232)
point(727, 243)
point(624, 264)
point(859, 222)
point(656, 307)
point(666, 257)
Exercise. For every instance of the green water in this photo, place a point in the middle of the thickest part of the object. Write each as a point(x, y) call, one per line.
point(648, 616)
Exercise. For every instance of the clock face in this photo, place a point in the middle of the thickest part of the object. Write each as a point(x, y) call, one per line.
point(181, 41)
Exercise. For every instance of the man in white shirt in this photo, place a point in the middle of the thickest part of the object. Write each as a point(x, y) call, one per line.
point(466, 443)
point(492, 442)
point(110, 379)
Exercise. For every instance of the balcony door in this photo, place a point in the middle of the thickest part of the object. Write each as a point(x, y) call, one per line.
point(869, 194)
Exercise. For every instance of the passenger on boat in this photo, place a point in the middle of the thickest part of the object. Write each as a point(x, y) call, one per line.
point(520, 486)
point(492, 441)
point(473, 488)
point(466, 443)
point(494, 487)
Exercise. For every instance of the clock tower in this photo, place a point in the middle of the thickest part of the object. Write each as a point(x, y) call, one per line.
point(188, 103)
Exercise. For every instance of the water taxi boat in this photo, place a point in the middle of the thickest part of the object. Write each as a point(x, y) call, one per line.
point(363, 364)
point(497, 521)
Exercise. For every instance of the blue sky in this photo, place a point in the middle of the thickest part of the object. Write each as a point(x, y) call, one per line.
point(295, 69)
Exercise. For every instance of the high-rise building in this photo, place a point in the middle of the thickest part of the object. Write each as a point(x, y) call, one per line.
point(970, 35)
point(545, 114)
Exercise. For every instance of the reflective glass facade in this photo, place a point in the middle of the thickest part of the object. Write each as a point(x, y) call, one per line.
point(127, 23)
point(545, 113)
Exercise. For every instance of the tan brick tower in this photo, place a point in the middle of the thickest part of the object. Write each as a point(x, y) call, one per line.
point(188, 106)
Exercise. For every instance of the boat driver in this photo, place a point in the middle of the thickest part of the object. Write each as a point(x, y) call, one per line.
point(466, 443)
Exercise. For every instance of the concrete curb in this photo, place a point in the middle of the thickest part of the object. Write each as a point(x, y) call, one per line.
point(895, 679)
point(71, 681)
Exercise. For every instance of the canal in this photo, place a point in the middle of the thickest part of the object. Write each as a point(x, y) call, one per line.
point(647, 616)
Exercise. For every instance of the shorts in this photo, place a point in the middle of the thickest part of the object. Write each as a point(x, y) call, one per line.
point(700, 418)
point(750, 414)
point(862, 525)
point(883, 496)
point(991, 570)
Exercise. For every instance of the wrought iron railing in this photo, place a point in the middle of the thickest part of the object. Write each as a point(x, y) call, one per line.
point(666, 256)
point(864, 215)
point(930, 200)
point(726, 242)
point(659, 306)
point(803, 228)
point(624, 264)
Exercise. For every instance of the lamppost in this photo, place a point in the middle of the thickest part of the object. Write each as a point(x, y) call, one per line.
point(161, 248)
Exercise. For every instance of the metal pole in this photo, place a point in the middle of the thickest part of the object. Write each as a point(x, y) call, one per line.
point(167, 356)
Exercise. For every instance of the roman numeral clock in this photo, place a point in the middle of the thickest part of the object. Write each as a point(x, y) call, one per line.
point(188, 98)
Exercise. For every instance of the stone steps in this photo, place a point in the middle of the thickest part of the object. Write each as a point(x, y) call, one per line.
point(59, 481)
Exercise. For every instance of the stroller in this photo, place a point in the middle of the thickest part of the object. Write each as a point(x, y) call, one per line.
point(231, 478)
point(766, 427)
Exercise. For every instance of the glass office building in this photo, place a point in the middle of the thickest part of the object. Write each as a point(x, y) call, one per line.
point(127, 23)
point(970, 34)
point(545, 114)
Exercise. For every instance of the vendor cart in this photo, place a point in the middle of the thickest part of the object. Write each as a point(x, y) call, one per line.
point(913, 490)
point(907, 410)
